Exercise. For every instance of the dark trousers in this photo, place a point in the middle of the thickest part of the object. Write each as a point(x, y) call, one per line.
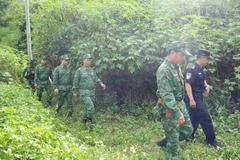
point(200, 115)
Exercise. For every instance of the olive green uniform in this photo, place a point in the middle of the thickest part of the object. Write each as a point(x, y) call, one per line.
point(84, 85)
point(42, 75)
point(62, 80)
point(171, 91)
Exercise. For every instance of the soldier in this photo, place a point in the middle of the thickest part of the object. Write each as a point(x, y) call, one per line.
point(175, 119)
point(43, 80)
point(84, 84)
point(28, 75)
point(195, 85)
point(62, 84)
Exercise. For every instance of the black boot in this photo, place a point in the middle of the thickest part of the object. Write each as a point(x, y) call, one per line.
point(58, 109)
point(190, 139)
point(84, 120)
point(162, 142)
point(216, 144)
point(69, 114)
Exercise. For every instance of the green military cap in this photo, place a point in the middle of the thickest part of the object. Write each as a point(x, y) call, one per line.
point(65, 57)
point(180, 46)
point(87, 56)
point(44, 58)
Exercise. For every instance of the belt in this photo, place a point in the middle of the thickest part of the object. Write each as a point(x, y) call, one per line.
point(167, 112)
point(178, 103)
point(161, 102)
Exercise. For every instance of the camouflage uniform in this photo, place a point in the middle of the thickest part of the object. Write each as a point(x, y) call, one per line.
point(42, 75)
point(62, 80)
point(28, 73)
point(84, 85)
point(171, 91)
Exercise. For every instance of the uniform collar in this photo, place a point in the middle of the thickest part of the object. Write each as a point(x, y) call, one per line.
point(197, 66)
point(63, 66)
point(86, 68)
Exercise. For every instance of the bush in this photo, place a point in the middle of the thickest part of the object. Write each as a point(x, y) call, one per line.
point(12, 63)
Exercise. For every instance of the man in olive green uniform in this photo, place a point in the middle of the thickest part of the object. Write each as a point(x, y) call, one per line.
point(43, 80)
point(84, 84)
point(28, 75)
point(62, 84)
point(175, 119)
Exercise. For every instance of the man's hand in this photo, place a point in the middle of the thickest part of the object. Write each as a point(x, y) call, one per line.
point(103, 86)
point(75, 94)
point(207, 89)
point(56, 90)
point(192, 103)
point(180, 120)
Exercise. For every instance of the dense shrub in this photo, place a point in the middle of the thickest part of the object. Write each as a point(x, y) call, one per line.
point(12, 63)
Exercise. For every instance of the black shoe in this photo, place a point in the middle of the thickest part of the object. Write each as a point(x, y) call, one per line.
point(58, 109)
point(84, 120)
point(216, 144)
point(162, 142)
point(91, 126)
point(69, 114)
point(190, 139)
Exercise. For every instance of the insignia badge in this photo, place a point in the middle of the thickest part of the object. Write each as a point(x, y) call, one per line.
point(188, 75)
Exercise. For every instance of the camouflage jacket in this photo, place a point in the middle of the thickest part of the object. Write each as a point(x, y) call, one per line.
point(42, 74)
point(85, 79)
point(170, 86)
point(28, 73)
point(62, 78)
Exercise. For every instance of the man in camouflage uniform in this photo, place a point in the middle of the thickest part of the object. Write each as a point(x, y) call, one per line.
point(62, 84)
point(43, 80)
point(175, 119)
point(84, 84)
point(28, 75)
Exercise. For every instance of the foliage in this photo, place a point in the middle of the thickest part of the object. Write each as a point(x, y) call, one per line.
point(12, 63)
point(130, 38)
point(12, 26)
point(30, 131)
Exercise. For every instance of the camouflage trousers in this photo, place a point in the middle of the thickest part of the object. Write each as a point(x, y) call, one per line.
point(175, 132)
point(87, 99)
point(48, 89)
point(65, 95)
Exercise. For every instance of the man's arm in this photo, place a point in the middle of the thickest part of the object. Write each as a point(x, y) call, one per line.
point(55, 80)
point(76, 82)
point(165, 92)
point(97, 80)
point(207, 88)
point(188, 88)
point(36, 75)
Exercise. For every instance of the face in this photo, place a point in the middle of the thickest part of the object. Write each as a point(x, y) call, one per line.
point(43, 61)
point(65, 62)
point(179, 57)
point(204, 60)
point(87, 62)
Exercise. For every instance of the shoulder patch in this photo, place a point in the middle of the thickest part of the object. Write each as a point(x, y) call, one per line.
point(188, 75)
